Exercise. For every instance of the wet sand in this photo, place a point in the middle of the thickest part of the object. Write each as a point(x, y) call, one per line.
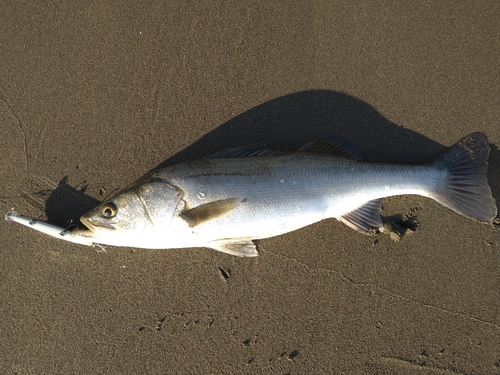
point(92, 96)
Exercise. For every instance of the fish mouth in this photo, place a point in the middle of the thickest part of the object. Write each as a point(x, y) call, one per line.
point(93, 227)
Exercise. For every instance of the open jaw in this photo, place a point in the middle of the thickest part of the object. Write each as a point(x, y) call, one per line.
point(95, 227)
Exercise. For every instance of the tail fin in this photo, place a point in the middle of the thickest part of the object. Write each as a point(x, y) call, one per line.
point(465, 189)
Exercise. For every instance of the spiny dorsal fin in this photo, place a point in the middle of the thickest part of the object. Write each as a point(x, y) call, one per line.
point(210, 211)
point(255, 149)
point(364, 218)
point(331, 145)
point(323, 145)
point(241, 247)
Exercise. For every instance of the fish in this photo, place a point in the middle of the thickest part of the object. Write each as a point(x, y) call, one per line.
point(229, 199)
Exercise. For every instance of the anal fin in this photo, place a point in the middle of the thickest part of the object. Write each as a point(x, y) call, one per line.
point(365, 217)
point(234, 246)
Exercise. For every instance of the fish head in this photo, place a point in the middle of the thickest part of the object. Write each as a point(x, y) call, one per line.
point(117, 215)
point(137, 216)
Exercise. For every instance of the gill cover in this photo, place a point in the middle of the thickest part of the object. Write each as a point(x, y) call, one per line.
point(160, 201)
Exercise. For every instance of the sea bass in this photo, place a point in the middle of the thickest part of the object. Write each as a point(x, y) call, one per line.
point(235, 196)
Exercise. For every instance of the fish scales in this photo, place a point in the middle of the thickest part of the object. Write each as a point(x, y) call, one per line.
point(278, 188)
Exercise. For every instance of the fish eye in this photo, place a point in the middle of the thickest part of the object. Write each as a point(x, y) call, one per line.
point(108, 210)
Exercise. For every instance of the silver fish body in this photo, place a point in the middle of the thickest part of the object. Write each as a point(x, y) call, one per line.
point(224, 203)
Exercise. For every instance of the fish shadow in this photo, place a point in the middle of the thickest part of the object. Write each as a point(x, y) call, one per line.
point(291, 121)
point(286, 123)
point(65, 204)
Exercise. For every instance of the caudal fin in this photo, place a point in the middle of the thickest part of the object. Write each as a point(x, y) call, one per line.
point(465, 189)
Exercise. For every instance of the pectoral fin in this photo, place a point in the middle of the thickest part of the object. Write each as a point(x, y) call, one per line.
point(234, 246)
point(210, 211)
point(365, 217)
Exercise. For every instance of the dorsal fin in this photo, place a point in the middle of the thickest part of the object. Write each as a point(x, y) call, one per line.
point(255, 149)
point(323, 145)
point(331, 145)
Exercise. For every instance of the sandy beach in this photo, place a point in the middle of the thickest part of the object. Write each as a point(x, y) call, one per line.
point(94, 95)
